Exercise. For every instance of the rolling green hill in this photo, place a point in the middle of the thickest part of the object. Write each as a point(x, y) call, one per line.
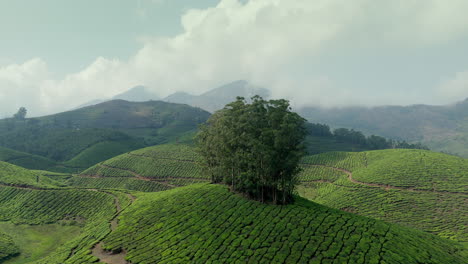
point(78, 139)
point(47, 215)
point(208, 224)
point(26, 160)
point(416, 188)
point(12, 175)
point(150, 169)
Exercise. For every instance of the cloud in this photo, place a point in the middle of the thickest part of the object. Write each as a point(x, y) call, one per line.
point(277, 44)
point(455, 89)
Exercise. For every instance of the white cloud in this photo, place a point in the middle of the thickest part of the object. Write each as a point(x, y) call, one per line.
point(455, 89)
point(269, 42)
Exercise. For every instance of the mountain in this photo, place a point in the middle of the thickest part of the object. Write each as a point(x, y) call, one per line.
point(81, 138)
point(136, 94)
point(441, 128)
point(217, 98)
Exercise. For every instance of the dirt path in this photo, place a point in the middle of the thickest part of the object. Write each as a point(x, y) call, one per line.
point(109, 256)
point(383, 186)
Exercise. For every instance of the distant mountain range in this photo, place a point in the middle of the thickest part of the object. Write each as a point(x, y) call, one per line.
point(136, 94)
point(217, 98)
point(441, 128)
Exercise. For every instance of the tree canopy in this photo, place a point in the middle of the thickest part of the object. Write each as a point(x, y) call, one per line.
point(254, 147)
point(21, 114)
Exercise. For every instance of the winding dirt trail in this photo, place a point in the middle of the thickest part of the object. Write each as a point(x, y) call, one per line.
point(109, 256)
point(383, 186)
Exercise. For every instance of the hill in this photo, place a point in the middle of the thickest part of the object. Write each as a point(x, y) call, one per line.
point(136, 94)
point(99, 132)
point(217, 98)
point(55, 225)
point(150, 169)
point(26, 160)
point(441, 128)
point(12, 175)
point(411, 186)
point(416, 188)
point(206, 223)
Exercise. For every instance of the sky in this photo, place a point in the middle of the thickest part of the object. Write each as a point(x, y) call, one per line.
point(58, 54)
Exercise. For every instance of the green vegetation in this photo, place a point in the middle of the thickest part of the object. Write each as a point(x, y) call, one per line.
point(321, 139)
point(441, 128)
point(17, 176)
point(254, 147)
point(26, 160)
point(89, 211)
point(37, 241)
point(415, 188)
point(8, 248)
point(173, 164)
point(207, 223)
point(120, 183)
point(75, 140)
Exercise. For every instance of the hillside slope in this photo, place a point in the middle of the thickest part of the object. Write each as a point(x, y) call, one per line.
point(416, 188)
point(207, 223)
point(12, 175)
point(26, 160)
point(441, 128)
point(81, 138)
point(149, 169)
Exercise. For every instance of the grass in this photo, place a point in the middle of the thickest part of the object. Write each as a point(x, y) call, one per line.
point(88, 210)
point(8, 248)
point(208, 224)
point(18, 176)
point(415, 188)
point(37, 241)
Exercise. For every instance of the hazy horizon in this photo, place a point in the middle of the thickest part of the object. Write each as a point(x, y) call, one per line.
point(56, 55)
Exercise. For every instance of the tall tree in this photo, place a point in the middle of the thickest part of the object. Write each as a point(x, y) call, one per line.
point(21, 114)
point(254, 147)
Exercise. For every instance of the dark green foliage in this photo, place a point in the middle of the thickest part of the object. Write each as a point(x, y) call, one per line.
point(255, 148)
point(61, 144)
point(7, 247)
point(26, 160)
point(207, 224)
point(81, 138)
point(21, 114)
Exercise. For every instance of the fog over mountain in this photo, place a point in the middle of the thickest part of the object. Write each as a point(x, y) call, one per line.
point(320, 53)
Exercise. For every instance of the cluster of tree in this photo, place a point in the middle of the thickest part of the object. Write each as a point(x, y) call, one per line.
point(356, 137)
point(255, 148)
point(21, 114)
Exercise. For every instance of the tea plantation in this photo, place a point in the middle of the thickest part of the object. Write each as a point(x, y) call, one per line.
point(415, 188)
point(208, 224)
